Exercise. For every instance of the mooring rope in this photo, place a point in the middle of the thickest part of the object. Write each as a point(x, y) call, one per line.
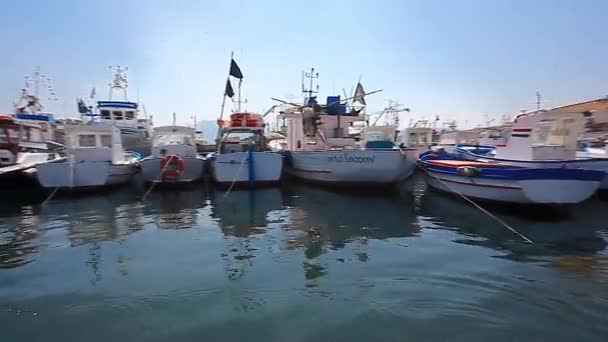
point(482, 209)
point(50, 196)
point(235, 176)
point(159, 178)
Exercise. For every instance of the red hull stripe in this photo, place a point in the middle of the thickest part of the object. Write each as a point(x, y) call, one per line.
point(483, 185)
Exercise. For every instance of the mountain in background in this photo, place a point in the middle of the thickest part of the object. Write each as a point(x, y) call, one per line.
point(209, 129)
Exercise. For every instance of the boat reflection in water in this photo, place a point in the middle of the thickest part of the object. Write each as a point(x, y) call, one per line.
point(18, 232)
point(319, 221)
point(172, 209)
point(568, 240)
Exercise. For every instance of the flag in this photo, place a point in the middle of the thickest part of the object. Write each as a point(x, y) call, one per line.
point(229, 91)
point(359, 94)
point(235, 71)
point(82, 107)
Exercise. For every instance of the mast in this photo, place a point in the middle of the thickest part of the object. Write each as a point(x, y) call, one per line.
point(120, 81)
point(312, 76)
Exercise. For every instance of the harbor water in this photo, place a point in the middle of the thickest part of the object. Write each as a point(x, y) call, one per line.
point(298, 263)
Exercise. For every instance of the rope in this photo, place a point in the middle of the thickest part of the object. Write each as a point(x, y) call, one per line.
point(236, 176)
point(483, 210)
point(50, 196)
point(153, 183)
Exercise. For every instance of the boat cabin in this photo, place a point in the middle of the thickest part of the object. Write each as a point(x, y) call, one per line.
point(178, 140)
point(420, 137)
point(94, 142)
point(117, 110)
point(243, 132)
point(16, 136)
point(543, 135)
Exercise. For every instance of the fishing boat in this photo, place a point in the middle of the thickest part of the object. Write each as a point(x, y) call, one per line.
point(318, 151)
point(94, 158)
point(135, 130)
point(495, 181)
point(174, 158)
point(29, 108)
point(540, 139)
point(243, 157)
point(22, 147)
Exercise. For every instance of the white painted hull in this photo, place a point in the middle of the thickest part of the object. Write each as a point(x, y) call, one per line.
point(234, 167)
point(193, 170)
point(352, 166)
point(83, 175)
point(587, 164)
point(535, 191)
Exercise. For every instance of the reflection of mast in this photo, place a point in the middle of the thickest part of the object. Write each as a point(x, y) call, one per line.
point(94, 262)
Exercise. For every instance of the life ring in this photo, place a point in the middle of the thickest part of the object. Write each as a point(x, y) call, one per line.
point(171, 165)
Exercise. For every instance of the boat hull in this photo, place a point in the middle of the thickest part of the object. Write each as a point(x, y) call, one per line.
point(193, 170)
point(235, 168)
point(599, 164)
point(352, 167)
point(496, 182)
point(83, 175)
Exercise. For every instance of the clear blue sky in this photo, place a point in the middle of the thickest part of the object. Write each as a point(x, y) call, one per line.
point(457, 59)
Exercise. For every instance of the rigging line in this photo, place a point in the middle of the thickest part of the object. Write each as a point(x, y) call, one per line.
point(482, 209)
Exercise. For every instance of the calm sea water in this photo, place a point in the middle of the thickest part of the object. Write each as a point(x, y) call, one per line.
point(298, 264)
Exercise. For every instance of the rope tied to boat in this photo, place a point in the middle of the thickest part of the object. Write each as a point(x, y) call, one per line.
point(162, 171)
point(497, 219)
point(236, 176)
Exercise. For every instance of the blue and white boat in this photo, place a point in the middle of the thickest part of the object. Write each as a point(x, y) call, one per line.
point(495, 181)
point(136, 132)
point(29, 108)
point(540, 139)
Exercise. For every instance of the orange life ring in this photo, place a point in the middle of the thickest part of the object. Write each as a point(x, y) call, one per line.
point(171, 165)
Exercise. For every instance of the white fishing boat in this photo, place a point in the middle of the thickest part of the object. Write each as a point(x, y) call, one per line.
point(94, 158)
point(29, 108)
point(506, 183)
point(243, 157)
point(540, 139)
point(135, 130)
point(22, 147)
point(318, 151)
point(174, 158)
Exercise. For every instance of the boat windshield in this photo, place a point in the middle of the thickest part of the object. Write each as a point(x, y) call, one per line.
point(172, 139)
point(233, 137)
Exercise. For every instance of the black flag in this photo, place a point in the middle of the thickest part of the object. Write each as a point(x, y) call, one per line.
point(82, 107)
point(229, 91)
point(235, 71)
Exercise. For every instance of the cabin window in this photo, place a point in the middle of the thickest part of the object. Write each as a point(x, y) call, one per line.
point(117, 115)
point(129, 115)
point(106, 140)
point(86, 140)
point(105, 114)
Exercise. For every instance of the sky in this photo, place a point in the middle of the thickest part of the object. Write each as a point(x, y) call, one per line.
point(461, 60)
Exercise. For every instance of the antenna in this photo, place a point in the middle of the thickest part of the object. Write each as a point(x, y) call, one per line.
point(120, 80)
point(538, 100)
point(312, 76)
